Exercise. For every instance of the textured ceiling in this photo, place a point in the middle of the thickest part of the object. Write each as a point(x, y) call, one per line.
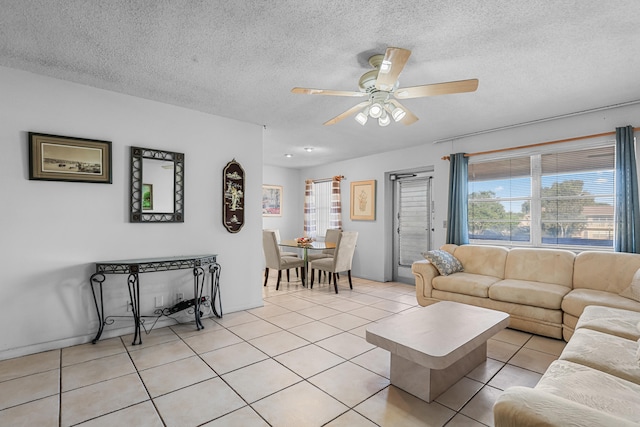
point(240, 59)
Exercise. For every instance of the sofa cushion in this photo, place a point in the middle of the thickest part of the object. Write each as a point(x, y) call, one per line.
point(443, 261)
point(520, 406)
point(540, 265)
point(604, 271)
point(609, 320)
point(604, 352)
point(592, 388)
point(633, 290)
point(576, 300)
point(465, 283)
point(545, 295)
point(481, 259)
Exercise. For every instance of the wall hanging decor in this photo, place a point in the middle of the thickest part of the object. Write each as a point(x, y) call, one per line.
point(157, 186)
point(363, 200)
point(271, 200)
point(233, 196)
point(64, 158)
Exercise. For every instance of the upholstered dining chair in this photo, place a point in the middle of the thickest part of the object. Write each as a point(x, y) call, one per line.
point(283, 253)
point(331, 236)
point(274, 259)
point(275, 230)
point(341, 261)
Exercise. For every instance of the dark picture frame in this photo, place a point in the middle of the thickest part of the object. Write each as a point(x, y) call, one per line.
point(65, 158)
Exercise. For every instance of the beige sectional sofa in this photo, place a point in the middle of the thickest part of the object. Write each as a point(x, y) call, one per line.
point(543, 290)
point(594, 382)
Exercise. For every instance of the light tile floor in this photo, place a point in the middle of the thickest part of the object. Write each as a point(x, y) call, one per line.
point(301, 360)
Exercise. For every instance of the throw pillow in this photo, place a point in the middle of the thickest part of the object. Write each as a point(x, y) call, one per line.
point(633, 290)
point(443, 261)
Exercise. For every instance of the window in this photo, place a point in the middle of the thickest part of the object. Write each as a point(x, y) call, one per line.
point(561, 199)
point(322, 199)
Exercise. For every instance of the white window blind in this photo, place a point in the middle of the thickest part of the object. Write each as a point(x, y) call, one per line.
point(322, 195)
point(563, 199)
point(414, 220)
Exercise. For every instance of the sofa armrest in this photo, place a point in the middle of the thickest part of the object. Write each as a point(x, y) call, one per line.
point(528, 407)
point(424, 272)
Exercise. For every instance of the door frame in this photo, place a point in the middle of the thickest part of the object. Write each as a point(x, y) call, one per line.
point(389, 226)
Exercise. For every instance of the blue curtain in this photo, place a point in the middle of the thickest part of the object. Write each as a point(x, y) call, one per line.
point(627, 220)
point(457, 226)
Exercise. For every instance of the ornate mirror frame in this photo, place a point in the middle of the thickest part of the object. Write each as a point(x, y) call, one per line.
point(136, 213)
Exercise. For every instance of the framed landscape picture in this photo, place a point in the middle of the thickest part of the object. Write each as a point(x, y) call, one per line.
point(363, 200)
point(63, 158)
point(271, 200)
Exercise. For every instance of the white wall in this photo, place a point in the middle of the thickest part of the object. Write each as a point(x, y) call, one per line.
point(291, 222)
point(372, 259)
point(53, 232)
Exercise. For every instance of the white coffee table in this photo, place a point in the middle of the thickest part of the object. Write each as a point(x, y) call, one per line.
point(432, 348)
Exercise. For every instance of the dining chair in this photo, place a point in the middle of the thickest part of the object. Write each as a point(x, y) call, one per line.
point(341, 261)
point(331, 236)
point(287, 254)
point(274, 259)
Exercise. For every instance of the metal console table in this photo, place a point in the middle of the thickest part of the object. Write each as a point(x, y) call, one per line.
point(133, 267)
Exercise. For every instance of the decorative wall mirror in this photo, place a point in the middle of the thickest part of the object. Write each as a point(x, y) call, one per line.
point(157, 186)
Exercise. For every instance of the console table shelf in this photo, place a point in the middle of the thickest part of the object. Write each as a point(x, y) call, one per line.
point(133, 267)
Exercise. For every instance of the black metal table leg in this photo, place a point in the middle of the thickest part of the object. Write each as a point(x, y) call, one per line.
point(198, 284)
point(133, 283)
point(214, 270)
point(98, 278)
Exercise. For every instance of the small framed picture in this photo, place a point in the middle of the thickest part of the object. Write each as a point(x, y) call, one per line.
point(271, 200)
point(147, 197)
point(63, 158)
point(363, 200)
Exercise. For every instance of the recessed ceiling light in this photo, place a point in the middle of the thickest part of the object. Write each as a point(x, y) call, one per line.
point(308, 149)
point(288, 155)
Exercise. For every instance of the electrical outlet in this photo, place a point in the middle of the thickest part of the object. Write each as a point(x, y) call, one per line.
point(159, 301)
point(129, 306)
point(179, 297)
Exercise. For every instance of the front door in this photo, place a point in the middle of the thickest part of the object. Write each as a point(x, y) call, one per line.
point(412, 226)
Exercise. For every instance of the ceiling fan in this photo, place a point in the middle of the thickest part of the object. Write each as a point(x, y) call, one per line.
point(381, 87)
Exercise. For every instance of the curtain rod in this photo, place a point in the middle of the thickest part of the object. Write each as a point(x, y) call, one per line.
point(539, 144)
point(337, 178)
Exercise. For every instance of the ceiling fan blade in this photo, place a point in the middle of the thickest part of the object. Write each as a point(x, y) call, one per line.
point(346, 114)
point(459, 86)
point(309, 91)
point(394, 60)
point(409, 117)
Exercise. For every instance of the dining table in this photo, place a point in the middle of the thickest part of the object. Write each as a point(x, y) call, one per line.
point(314, 245)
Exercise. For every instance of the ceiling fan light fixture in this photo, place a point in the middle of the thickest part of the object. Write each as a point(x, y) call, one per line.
point(375, 111)
point(385, 66)
point(361, 118)
point(384, 119)
point(381, 84)
point(398, 113)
